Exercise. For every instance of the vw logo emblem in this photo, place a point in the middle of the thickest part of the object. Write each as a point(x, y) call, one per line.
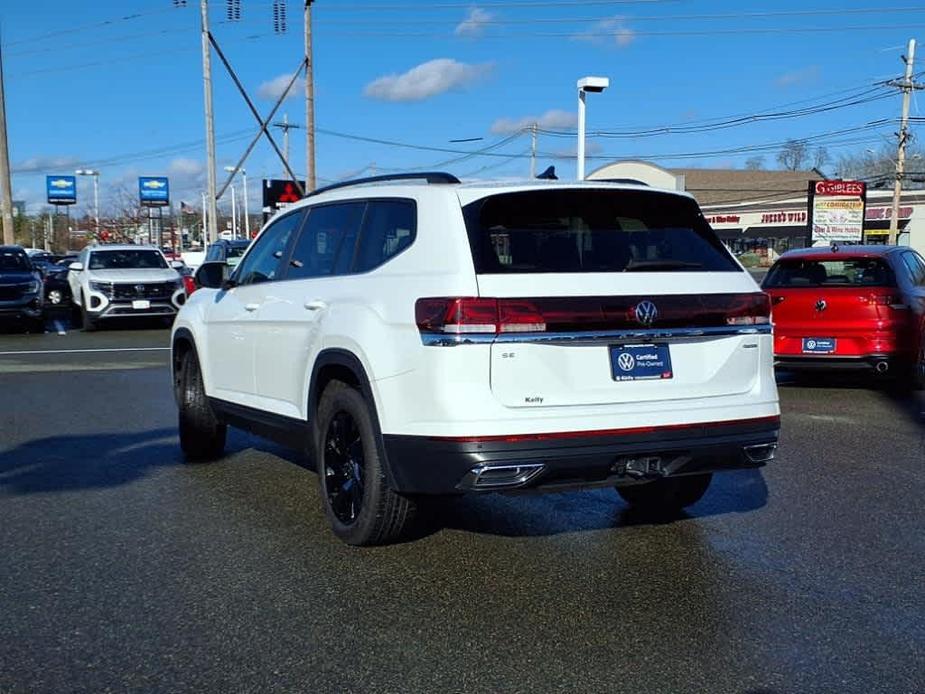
point(646, 312)
point(821, 305)
point(139, 289)
point(810, 344)
point(626, 362)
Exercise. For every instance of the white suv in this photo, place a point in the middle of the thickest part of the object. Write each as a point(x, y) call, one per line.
point(424, 337)
point(120, 281)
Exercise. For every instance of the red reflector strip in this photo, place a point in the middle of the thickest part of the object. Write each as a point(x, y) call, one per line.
point(631, 431)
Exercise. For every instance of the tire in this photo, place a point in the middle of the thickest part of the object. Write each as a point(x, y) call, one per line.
point(202, 435)
point(358, 502)
point(667, 495)
point(88, 323)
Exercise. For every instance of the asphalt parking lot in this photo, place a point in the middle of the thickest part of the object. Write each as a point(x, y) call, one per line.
point(126, 569)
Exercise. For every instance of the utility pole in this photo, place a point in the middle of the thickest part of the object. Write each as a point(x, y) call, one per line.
point(907, 85)
point(533, 151)
point(6, 184)
point(309, 102)
point(211, 233)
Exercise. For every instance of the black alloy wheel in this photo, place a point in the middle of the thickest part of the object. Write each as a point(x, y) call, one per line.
point(343, 467)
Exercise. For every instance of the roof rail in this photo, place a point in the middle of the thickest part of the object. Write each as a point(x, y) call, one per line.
point(427, 176)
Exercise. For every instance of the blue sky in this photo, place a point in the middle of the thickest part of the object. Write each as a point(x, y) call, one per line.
point(88, 84)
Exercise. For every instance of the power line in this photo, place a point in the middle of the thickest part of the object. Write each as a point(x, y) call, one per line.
point(878, 94)
point(492, 21)
point(592, 35)
point(94, 25)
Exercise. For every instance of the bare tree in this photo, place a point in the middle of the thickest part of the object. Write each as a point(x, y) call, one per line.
point(794, 155)
point(755, 163)
point(820, 157)
point(878, 167)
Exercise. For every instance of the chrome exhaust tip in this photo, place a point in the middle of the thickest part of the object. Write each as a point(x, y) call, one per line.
point(760, 453)
point(500, 476)
point(882, 367)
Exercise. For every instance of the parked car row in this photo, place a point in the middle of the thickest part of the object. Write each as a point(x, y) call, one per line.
point(100, 284)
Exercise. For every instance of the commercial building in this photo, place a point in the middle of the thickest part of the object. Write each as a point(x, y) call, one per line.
point(766, 212)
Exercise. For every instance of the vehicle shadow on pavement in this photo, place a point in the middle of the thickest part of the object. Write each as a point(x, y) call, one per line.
point(910, 404)
point(529, 515)
point(66, 463)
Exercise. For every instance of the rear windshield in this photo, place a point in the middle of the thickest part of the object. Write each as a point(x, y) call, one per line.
point(850, 272)
point(592, 231)
point(236, 250)
point(127, 259)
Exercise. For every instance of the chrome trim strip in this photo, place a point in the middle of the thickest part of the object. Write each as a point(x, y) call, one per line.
point(592, 337)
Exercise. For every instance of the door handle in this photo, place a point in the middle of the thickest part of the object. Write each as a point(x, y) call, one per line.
point(315, 304)
point(251, 307)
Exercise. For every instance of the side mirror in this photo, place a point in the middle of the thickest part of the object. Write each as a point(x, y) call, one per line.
point(211, 275)
point(76, 267)
point(177, 264)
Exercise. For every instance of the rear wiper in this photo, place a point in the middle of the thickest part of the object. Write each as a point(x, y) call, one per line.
point(654, 265)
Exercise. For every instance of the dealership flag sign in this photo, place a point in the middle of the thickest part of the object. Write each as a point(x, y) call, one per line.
point(836, 211)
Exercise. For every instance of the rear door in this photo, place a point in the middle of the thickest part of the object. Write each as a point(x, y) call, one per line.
point(290, 317)
point(612, 296)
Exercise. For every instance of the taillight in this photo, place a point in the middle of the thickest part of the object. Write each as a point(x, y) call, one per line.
point(189, 284)
point(476, 315)
point(882, 299)
point(749, 309)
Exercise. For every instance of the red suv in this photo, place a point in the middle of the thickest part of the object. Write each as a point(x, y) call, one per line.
point(859, 307)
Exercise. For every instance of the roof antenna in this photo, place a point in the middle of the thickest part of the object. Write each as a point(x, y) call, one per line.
point(549, 174)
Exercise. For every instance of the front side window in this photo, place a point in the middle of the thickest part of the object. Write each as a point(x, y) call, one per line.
point(128, 259)
point(389, 228)
point(849, 272)
point(264, 261)
point(327, 242)
point(592, 231)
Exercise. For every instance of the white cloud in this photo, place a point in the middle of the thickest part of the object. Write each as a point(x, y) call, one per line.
point(426, 80)
point(474, 24)
point(46, 165)
point(806, 75)
point(274, 88)
point(552, 120)
point(613, 30)
point(182, 166)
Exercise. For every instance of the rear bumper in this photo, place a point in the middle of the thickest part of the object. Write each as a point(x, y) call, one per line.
point(881, 363)
point(431, 465)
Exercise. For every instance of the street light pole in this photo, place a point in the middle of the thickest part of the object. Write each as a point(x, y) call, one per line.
point(585, 85)
point(581, 135)
point(234, 215)
point(96, 195)
point(247, 224)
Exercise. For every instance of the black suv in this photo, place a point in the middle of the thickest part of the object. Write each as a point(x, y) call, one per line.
point(227, 251)
point(21, 295)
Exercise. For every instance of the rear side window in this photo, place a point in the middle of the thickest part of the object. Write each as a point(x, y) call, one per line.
point(592, 231)
point(389, 229)
point(849, 272)
point(916, 266)
point(326, 244)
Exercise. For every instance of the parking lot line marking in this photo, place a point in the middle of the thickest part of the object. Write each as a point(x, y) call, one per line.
point(84, 351)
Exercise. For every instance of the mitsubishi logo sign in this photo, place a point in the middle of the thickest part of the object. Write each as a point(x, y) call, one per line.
point(646, 313)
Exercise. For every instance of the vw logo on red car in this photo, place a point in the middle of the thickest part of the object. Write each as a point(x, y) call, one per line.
point(646, 312)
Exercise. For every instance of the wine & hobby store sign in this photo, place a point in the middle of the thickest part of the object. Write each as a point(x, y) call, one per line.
point(836, 209)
